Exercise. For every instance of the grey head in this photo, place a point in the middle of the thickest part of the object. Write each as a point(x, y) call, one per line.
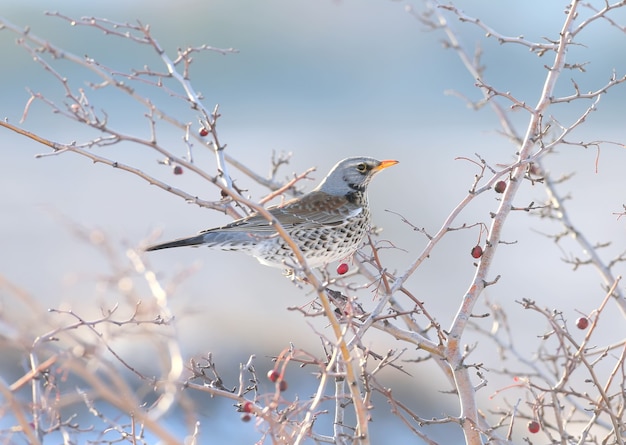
point(352, 175)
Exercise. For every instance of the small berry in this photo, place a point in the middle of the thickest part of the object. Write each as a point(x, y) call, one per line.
point(342, 268)
point(245, 417)
point(178, 170)
point(533, 426)
point(477, 252)
point(282, 386)
point(500, 187)
point(203, 132)
point(246, 407)
point(582, 323)
point(273, 375)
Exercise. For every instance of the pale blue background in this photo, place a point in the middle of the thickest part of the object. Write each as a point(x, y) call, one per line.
point(324, 80)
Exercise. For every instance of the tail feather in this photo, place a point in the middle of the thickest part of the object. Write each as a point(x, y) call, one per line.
point(190, 241)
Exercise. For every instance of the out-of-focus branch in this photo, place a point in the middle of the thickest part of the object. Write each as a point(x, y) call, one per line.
point(120, 395)
point(539, 48)
point(600, 14)
point(563, 217)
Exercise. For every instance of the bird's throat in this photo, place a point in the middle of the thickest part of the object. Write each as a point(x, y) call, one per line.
point(356, 197)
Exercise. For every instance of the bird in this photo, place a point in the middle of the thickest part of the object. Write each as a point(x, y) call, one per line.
point(329, 223)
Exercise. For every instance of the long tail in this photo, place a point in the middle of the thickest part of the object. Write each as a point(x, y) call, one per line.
point(190, 241)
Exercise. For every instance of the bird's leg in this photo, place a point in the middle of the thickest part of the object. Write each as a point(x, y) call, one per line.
point(294, 277)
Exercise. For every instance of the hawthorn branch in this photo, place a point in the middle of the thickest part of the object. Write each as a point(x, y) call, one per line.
point(605, 271)
point(539, 48)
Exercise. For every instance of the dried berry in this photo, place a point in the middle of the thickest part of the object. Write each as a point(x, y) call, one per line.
point(533, 426)
point(282, 386)
point(477, 252)
point(582, 323)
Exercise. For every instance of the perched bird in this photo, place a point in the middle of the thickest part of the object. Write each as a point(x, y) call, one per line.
point(328, 223)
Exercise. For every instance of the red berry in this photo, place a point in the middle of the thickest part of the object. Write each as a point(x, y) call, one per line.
point(500, 187)
point(245, 417)
point(282, 386)
point(247, 407)
point(203, 132)
point(178, 170)
point(342, 268)
point(582, 323)
point(273, 375)
point(533, 426)
point(477, 251)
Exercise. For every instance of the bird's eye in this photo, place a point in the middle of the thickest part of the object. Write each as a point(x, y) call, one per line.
point(362, 167)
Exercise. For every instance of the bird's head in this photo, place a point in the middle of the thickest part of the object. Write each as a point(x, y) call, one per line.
point(352, 175)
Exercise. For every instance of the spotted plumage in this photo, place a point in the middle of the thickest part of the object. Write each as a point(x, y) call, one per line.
point(328, 224)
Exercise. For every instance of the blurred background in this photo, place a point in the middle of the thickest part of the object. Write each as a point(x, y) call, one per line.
point(322, 80)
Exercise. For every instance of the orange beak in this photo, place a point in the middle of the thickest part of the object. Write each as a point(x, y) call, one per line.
point(384, 164)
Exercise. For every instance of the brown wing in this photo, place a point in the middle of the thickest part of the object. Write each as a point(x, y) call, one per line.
point(316, 209)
